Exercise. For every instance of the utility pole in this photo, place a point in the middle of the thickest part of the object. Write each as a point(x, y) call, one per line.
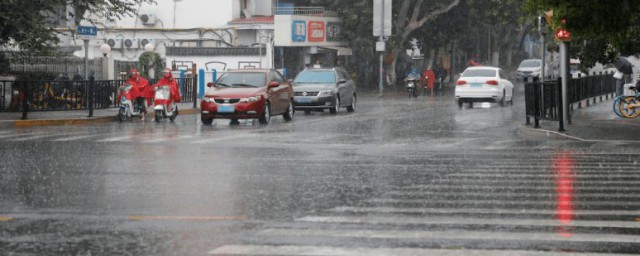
point(381, 29)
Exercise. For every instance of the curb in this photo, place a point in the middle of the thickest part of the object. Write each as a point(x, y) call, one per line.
point(75, 121)
point(538, 133)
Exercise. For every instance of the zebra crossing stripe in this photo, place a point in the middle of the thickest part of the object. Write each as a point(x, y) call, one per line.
point(417, 188)
point(289, 250)
point(501, 202)
point(76, 137)
point(478, 211)
point(115, 139)
point(507, 194)
point(548, 175)
point(403, 220)
point(457, 235)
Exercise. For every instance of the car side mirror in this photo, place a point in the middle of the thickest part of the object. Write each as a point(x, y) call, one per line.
point(210, 84)
point(274, 84)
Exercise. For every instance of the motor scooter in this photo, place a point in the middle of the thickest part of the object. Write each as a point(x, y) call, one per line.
point(128, 106)
point(412, 86)
point(164, 106)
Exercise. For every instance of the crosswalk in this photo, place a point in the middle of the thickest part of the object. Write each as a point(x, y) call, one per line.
point(542, 204)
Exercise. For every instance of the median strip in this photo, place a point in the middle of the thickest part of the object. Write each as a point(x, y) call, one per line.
point(189, 218)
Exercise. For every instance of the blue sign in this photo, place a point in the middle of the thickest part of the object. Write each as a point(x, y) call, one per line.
point(87, 32)
point(299, 31)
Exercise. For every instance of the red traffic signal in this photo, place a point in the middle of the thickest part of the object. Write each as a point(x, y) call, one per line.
point(563, 35)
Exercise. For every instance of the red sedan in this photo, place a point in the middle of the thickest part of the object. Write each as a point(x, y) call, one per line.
point(248, 94)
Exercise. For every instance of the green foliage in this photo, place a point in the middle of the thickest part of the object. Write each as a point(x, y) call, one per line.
point(149, 60)
point(600, 30)
point(26, 24)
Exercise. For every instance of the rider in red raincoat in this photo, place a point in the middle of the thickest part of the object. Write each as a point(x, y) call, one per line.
point(167, 79)
point(139, 91)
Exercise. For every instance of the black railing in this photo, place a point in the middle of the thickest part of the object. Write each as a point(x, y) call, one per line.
point(543, 99)
point(54, 95)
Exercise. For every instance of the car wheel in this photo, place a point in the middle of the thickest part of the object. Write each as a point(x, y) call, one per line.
point(336, 106)
point(504, 95)
point(266, 117)
point(206, 121)
point(460, 103)
point(352, 107)
point(288, 116)
point(234, 122)
point(471, 104)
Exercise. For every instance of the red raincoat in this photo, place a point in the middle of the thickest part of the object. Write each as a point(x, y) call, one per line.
point(141, 87)
point(430, 78)
point(173, 84)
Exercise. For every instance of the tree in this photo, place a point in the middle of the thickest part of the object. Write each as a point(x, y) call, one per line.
point(410, 16)
point(26, 24)
point(600, 30)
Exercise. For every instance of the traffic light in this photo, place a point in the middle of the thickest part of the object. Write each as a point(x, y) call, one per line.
point(563, 35)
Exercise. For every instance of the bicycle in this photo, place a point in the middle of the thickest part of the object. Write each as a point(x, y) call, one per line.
point(628, 106)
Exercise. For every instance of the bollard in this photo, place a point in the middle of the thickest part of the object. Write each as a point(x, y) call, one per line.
point(560, 107)
point(25, 99)
point(91, 96)
point(195, 90)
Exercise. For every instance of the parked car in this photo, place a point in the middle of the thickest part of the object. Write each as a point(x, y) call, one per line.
point(324, 88)
point(248, 94)
point(483, 84)
point(530, 68)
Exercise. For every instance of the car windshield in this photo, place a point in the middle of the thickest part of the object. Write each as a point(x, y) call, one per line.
point(315, 77)
point(530, 64)
point(242, 79)
point(479, 73)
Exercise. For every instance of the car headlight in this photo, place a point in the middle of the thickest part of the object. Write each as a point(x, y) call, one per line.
point(208, 99)
point(250, 99)
point(325, 93)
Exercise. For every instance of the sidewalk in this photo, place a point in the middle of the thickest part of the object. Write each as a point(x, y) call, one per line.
point(72, 117)
point(594, 123)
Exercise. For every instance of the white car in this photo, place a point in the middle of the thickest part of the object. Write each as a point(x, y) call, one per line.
point(531, 68)
point(483, 84)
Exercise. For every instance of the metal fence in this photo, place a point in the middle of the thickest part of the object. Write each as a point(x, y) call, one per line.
point(56, 95)
point(543, 100)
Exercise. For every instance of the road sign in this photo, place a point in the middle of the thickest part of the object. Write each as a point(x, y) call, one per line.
point(382, 17)
point(86, 32)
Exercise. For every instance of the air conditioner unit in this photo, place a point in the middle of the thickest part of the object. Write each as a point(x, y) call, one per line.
point(114, 43)
point(131, 43)
point(145, 41)
point(148, 18)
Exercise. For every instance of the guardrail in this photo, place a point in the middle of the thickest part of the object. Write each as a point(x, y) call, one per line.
point(55, 95)
point(543, 99)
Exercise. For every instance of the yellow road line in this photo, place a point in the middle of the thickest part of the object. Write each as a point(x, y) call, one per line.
point(189, 218)
point(5, 218)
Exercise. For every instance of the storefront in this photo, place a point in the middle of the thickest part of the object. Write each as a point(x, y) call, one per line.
point(301, 41)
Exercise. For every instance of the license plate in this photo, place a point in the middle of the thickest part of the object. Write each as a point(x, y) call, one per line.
point(226, 109)
point(476, 85)
point(303, 100)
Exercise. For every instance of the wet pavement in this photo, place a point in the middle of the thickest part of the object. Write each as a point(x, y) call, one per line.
point(397, 177)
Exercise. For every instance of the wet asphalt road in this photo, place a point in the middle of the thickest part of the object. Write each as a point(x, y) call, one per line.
point(397, 177)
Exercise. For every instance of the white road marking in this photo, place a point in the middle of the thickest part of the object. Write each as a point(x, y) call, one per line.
point(549, 203)
point(480, 211)
point(400, 220)
point(115, 139)
point(290, 250)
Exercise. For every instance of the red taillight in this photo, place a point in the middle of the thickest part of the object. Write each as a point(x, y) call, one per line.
point(461, 82)
point(492, 82)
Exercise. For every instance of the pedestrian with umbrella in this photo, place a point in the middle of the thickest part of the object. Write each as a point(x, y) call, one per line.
point(623, 74)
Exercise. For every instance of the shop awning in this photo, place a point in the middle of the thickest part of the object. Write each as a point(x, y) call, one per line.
point(342, 51)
